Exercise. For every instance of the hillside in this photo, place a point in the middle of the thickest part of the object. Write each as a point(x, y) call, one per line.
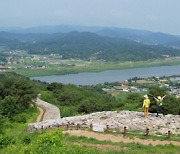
point(86, 45)
point(143, 36)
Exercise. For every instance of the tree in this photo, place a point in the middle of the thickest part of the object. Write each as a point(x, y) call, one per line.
point(24, 92)
point(170, 103)
point(1, 123)
point(134, 100)
point(155, 92)
point(8, 107)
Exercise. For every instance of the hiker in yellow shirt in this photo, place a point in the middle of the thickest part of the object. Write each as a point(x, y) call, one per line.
point(146, 105)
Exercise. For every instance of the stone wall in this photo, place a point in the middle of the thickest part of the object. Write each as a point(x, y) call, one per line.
point(51, 111)
point(117, 121)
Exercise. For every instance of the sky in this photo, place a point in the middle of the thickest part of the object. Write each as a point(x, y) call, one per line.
point(154, 15)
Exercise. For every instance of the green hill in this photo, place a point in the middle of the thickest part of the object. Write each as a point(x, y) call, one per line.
point(85, 45)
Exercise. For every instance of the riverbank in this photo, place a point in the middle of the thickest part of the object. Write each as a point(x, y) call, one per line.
point(93, 78)
point(95, 67)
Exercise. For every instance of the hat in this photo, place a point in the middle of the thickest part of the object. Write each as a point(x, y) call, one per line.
point(159, 97)
point(145, 96)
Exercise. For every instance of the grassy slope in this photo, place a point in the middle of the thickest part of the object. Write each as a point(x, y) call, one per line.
point(14, 128)
point(131, 147)
point(95, 67)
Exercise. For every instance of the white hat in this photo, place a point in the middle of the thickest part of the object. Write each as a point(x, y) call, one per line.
point(145, 96)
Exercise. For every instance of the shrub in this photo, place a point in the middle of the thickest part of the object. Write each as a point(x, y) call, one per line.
point(5, 141)
point(51, 140)
point(1, 123)
point(26, 140)
point(8, 107)
point(20, 118)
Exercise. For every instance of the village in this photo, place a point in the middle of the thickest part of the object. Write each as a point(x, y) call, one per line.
point(21, 60)
point(142, 85)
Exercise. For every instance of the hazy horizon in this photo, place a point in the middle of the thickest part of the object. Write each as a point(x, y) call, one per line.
point(156, 16)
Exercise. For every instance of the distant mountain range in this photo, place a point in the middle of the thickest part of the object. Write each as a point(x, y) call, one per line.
point(111, 44)
point(53, 29)
point(143, 36)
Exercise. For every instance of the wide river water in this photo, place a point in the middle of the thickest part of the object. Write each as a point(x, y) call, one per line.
point(92, 78)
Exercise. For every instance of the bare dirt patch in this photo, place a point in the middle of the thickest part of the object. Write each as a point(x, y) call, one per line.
point(113, 138)
point(40, 116)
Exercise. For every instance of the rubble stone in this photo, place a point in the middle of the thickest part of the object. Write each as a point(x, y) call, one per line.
point(117, 120)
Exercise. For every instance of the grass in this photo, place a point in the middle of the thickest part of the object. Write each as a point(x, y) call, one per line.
point(27, 143)
point(95, 67)
point(131, 147)
point(141, 135)
point(122, 95)
point(14, 128)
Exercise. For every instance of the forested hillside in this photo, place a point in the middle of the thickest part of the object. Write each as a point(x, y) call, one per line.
point(85, 45)
point(142, 36)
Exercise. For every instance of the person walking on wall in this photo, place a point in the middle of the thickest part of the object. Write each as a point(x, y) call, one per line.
point(159, 105)
point(146, 105)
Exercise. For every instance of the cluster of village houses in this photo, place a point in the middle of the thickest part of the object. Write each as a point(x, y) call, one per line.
point(37, 61)
point(135, 88)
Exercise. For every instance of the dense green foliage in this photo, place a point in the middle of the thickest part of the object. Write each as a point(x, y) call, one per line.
point(16, 94)
point(3, 58)
point(75, 100)
point(170, 103)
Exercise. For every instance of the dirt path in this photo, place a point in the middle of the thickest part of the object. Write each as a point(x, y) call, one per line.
point(40, 116)
point(113, 138)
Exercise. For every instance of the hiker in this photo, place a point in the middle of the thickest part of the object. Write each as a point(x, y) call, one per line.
point(146, 104)
point(159, 103)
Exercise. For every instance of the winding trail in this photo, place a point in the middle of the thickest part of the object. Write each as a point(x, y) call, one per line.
point(113, 138)
point(50, 112)
point(40, 116)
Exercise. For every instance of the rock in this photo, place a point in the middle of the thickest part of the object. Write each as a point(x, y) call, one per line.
point(98, 128)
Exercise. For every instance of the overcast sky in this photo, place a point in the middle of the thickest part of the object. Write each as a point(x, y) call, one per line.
point(154, 15)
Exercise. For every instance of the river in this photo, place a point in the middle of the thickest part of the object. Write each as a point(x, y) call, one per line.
point(92, 78)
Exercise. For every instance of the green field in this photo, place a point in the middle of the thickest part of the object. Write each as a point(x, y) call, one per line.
point(96, 66)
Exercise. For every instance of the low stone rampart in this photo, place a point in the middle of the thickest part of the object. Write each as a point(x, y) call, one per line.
point(132, 120)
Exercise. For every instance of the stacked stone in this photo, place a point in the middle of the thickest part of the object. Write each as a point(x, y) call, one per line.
point(51, 112)
point(132, 120)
